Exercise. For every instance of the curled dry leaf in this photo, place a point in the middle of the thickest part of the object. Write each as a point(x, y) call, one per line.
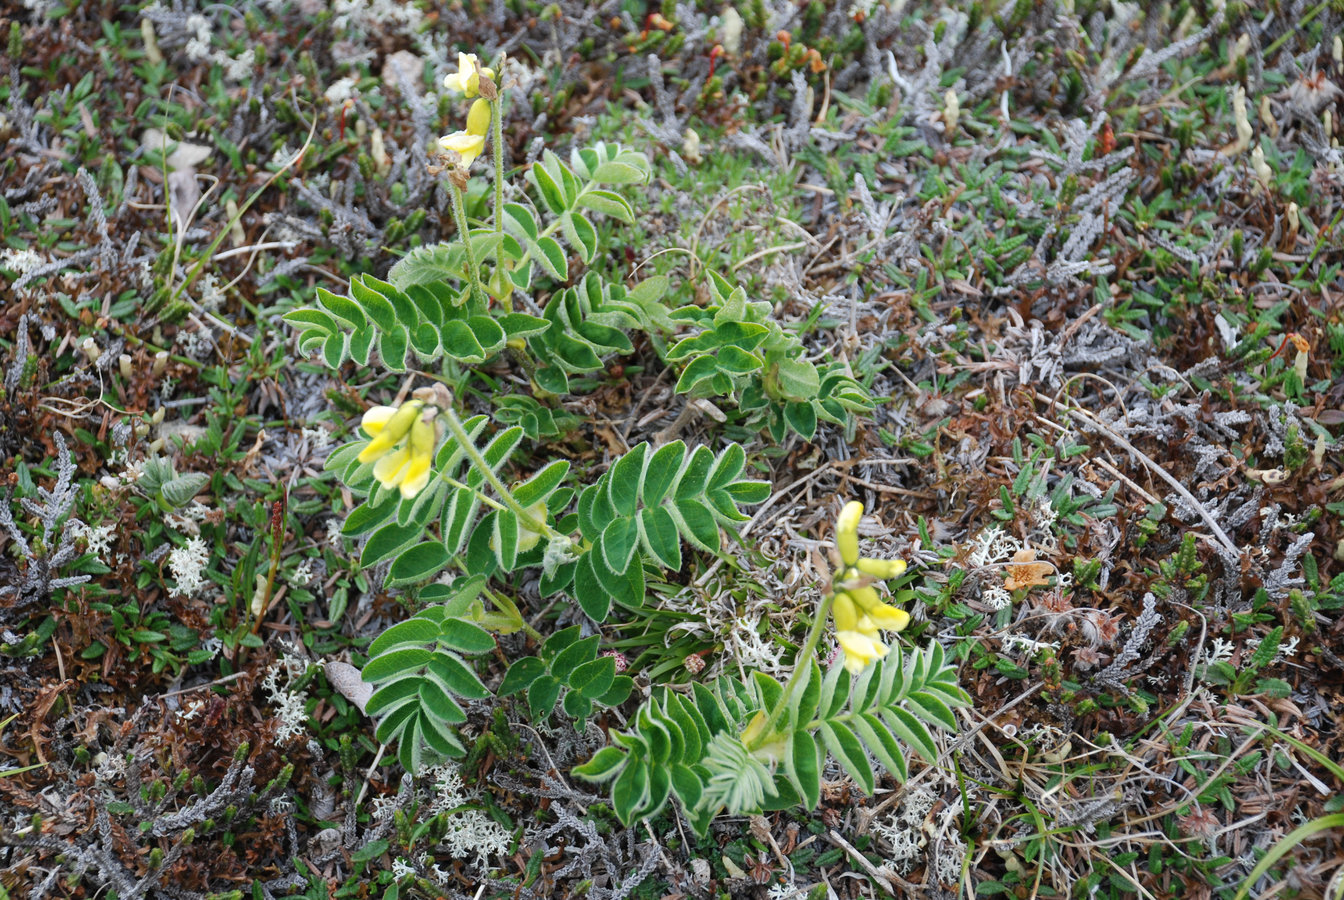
point(183, 190)
point(1025, 572)
point(346, 679)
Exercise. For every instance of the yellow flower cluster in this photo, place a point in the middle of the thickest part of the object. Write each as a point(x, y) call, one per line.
point(859, 613)
point(467, 78)
point(470, 143)
point(402, 446)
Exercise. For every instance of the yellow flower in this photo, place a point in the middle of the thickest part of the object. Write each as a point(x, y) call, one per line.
point(478, 117)
point(881, 568)
point(859, 613)
point(847, 532)
point(846, 616)
point(387, 425)
point(888, 617)
point(467, 145)
point(860, 650)
point(396, 464)
point(847, 544)
point(467, 78)
point(470, 144)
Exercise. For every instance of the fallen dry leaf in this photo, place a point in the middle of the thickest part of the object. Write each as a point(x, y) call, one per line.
point(1025, 572)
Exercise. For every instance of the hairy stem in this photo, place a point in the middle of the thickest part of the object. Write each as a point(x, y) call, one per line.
point(497, 145)
point(510, 608)
point(800, 670)
point(528, 521)
point(460, 217)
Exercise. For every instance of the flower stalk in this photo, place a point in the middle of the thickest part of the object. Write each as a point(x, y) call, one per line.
point(859, 615)
point(525, 517)
point(756, 736)
point(497, 147)
point(460, 217)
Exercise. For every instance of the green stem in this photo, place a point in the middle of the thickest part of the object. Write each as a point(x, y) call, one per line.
point(1311, 14)
point(497, 142)
point(801, 669)
point(484, 498)
point(510, 608)
point(555, 226)
point(464, 442)
point(460, 216)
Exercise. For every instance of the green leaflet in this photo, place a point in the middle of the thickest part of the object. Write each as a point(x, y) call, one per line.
point(696, 739)
point(645, 503)
point(420, 314)
point(738, 349)
point(419, 672)
point(567, 662)
point(587, 325)
point(401, 538)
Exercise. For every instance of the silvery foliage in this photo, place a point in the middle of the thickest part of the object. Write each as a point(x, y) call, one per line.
point(97, 853)
point(588, 854)
point(57, 546)
point(1122, 668)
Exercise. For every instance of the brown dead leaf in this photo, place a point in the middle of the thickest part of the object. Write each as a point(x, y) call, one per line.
point(1025, 572)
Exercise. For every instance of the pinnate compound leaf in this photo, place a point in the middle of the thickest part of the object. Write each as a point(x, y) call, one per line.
point(428, 264)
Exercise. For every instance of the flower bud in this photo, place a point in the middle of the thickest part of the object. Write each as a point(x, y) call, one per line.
point(390, 429)
point(847, 532)
point(478, 118)
point(846, 616)
point(881, 568)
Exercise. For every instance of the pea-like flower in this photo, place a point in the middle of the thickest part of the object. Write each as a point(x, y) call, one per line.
point(402, 446)
point(467, 78)
point(859, 612)
point(860, 650)
point(470, 144)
